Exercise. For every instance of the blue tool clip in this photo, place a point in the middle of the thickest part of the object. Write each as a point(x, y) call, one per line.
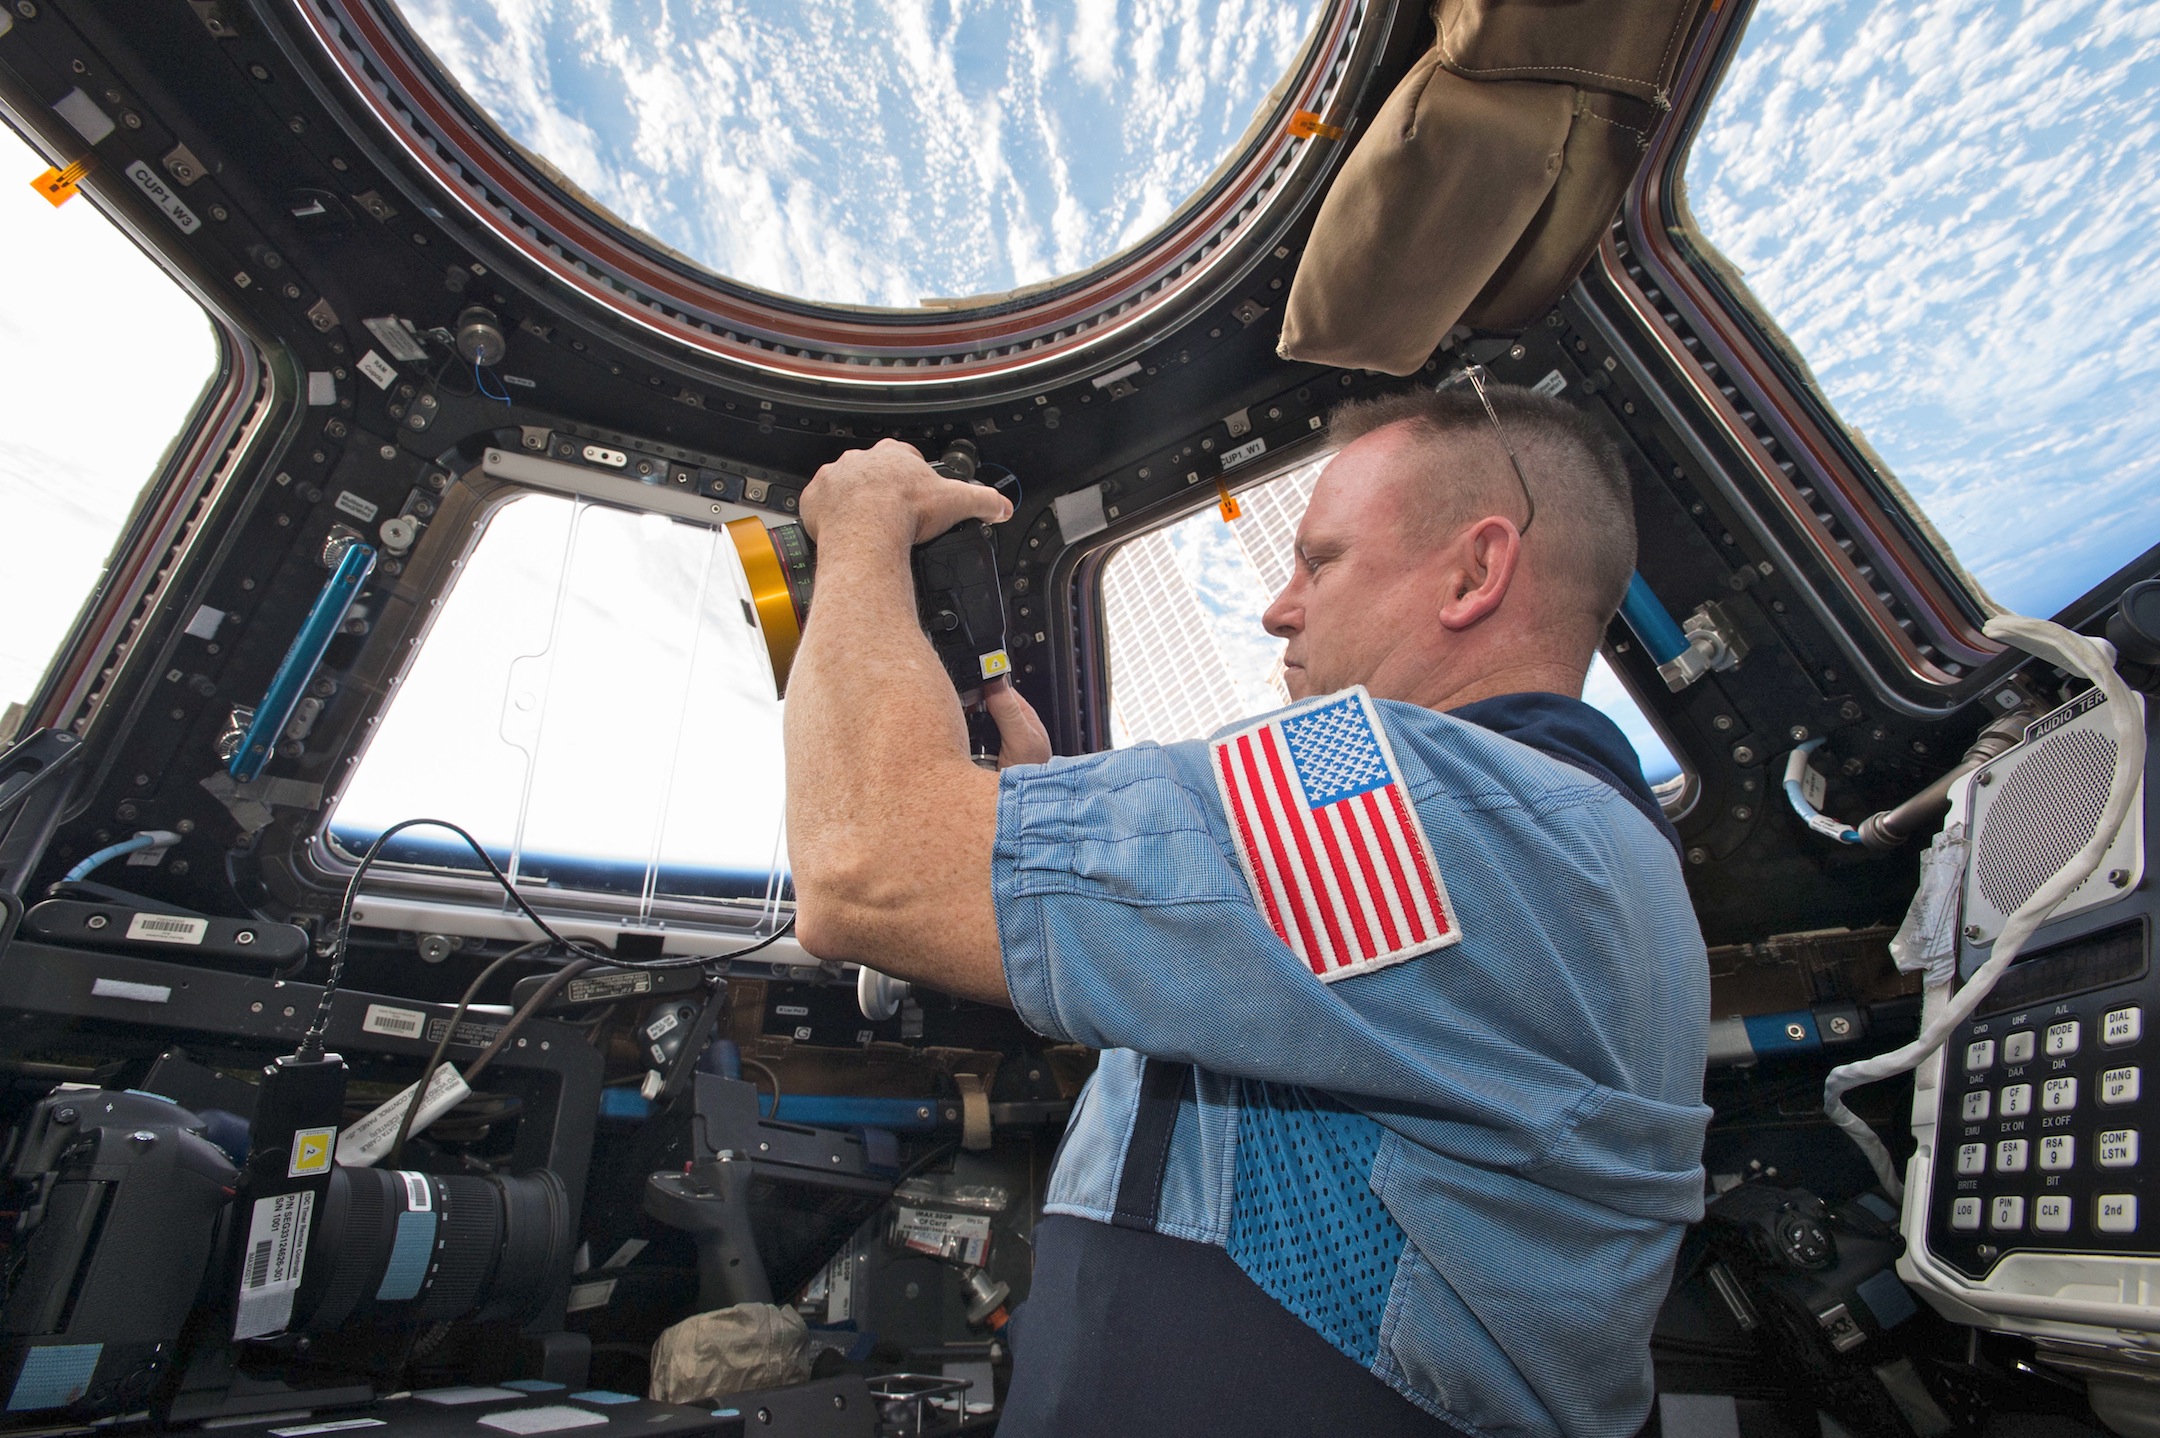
point(299, 664)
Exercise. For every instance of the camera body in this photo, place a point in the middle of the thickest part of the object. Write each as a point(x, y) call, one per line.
point(958, 598)
point(123, 1202)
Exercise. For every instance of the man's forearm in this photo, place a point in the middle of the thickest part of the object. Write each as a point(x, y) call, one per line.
point(883, 803)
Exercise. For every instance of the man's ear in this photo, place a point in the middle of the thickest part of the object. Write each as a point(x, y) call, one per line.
point(1480, 567)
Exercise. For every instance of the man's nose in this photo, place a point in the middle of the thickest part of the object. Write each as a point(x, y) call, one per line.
point(1283, 618)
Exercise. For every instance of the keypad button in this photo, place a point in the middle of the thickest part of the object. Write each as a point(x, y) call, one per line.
point(2114, 1212)
point(2119, 1086)
point(2118, 1148)
point(1972, 1158)
point(1979, 1054)
point(2017, 1100)
point(2018, 1047)
point(2010, 1156)
point(2051, 1213)
point(2007, 1213)
point(1965, 1213)
point(2059, 1095)
point(2062, 1039)
point(2121, 1026)
point(1977, 1104)
point(2058, 1151)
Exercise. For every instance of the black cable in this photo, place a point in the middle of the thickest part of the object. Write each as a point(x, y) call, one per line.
point(771, 1078)
point(311, 1045)
point(442, 1046)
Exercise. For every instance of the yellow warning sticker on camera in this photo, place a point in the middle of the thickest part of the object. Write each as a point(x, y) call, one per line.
point(311, 1151)
point(994, 663)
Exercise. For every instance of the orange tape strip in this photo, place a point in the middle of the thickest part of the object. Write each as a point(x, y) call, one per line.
point(1307, 125)
point(58, 186)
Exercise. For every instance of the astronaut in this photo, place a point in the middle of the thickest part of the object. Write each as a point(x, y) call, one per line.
point(1400, 997)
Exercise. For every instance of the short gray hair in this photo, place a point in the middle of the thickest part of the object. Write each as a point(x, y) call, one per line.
point(1585, 525)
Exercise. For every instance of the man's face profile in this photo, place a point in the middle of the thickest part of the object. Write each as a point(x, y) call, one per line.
point(1358, 600)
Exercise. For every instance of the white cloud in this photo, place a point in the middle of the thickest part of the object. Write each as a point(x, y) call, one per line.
point(877, 151)
point(1950, 206)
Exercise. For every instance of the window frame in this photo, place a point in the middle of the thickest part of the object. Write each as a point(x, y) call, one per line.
point(1012, 345)
point(468, 903)
point(1082, 566)
point(1811, 476)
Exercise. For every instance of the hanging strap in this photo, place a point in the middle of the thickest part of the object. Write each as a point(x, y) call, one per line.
point(1164, 1088)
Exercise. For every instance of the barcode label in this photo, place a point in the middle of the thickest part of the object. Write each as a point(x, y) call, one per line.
point(399, 1023)
point(277, 1255)
point(419, 1191)
point(168, 928)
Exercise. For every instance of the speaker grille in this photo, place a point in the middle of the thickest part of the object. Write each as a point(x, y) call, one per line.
point(2049, 802)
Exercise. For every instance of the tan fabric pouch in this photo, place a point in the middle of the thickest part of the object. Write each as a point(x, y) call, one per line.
point(1485, 182)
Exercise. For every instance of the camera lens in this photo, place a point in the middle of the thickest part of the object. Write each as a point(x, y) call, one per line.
point(413, 1247)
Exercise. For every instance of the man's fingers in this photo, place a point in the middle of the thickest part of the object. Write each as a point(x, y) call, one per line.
point(1022, 739)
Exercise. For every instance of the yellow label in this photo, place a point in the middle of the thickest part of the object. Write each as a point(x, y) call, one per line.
point(994, 663)
point(311, 1150)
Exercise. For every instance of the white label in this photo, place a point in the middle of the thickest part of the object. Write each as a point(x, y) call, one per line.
point(79, 110)
point(464, 1393)
point(961, 1236)
point(308, 1430)
point(399, 1023)
point(1552, 386)
point(666, 1024)
point(321, 387)
point(591, 1295)
point(630, 1249)
point(205, 623)
point(371, 1137)
point(1813, 786)
point(1110, 377)
point(1251, 449)
point(419, 1193)
point(354, 505)
point(122, 989)
point(276, 1255)
point(554, 1417)
point(162, 196)
point(378, 369)
point(792, 1011)
point(520, 381)
point(1080, 513)
point(396, 336)
point(168, 928)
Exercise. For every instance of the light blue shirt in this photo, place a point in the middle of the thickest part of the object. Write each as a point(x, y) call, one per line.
point(1470, 1171)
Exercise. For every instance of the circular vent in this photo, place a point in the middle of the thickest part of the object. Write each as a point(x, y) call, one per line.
point(2049, 803)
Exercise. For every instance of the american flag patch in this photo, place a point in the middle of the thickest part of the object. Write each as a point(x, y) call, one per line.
point(1329, 839)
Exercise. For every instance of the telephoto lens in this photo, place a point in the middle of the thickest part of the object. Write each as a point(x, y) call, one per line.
point(407, 1247)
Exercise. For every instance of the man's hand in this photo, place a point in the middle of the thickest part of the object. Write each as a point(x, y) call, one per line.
point(1021, 736)
point(892, 484)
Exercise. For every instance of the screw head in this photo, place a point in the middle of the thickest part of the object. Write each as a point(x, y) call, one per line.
point(1698, 855)
point(1841, 1026)
point(65, 1115)
point(143, 1136)
point(2119, 878)
point(96, 921)
point(1798, 733)
point(1743, 755)
point(1972, 933)
point(1723, 723)
point(245, 936)
point(1742, 812)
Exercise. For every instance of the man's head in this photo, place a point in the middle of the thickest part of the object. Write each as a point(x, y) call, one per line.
point(1413, 575)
